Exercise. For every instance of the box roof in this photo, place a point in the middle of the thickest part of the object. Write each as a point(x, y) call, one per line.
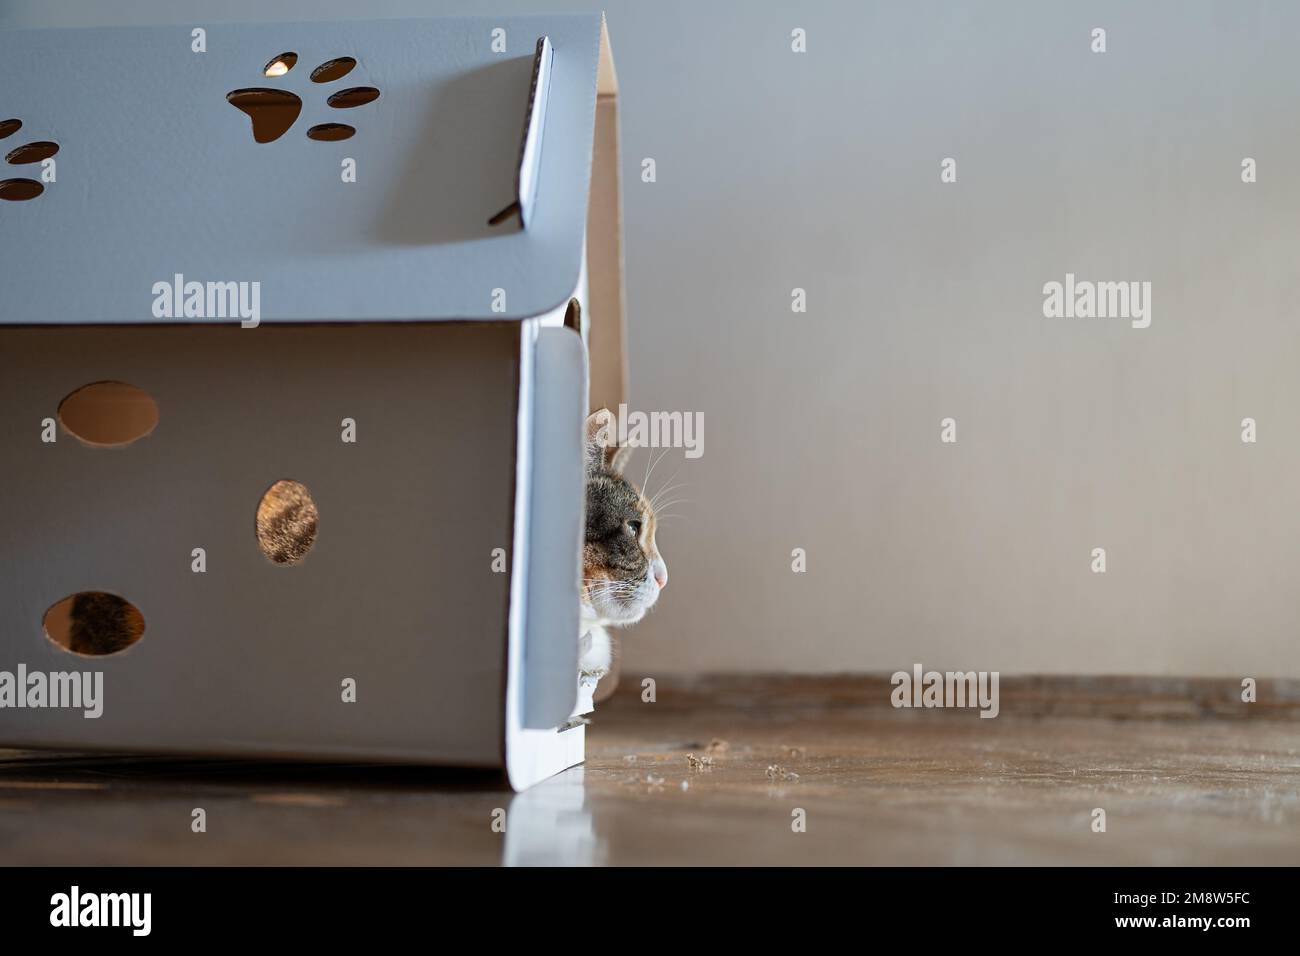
point(157, 174)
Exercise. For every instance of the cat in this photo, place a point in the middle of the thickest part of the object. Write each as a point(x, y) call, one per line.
point(623, 572)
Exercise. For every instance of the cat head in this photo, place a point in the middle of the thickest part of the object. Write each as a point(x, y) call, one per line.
point(622, 570)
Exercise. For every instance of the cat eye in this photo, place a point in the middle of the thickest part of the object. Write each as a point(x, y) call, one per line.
point(635, 528)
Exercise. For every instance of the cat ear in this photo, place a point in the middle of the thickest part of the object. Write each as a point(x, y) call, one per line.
point(602, 443)
point(617, 459)
point(600, 435)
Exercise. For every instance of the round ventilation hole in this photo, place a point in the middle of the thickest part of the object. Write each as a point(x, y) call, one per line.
point(352, 98)
point(281, 65)
point(94, 623)
point(109, 414)
point(286, 522)
point(331, 132)
point(19, 190)
point(32, 153)
point(333, 70)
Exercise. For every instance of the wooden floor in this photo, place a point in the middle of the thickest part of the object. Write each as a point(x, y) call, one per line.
point(1192, 779)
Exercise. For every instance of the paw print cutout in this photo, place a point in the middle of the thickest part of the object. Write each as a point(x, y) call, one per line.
point(22, 188)
point(274, 111)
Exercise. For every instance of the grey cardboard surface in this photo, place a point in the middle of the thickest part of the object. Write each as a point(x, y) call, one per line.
point(248, 658)
point(158, 175)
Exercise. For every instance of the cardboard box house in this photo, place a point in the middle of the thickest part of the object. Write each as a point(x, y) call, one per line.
point(298, 330)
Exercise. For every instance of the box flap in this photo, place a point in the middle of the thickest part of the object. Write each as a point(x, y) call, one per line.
point(607, 331)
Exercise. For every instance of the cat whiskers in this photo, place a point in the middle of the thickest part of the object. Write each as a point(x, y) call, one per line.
point(606, 586)
point(651, 462)
point(661, 512)
point(616, 596)
point(670, 486)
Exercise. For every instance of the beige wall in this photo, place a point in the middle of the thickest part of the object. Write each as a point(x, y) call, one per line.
point(925, 301)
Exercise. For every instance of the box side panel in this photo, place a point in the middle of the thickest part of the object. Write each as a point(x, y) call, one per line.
point(532, 755)
point(398, 593)
point(555, 565)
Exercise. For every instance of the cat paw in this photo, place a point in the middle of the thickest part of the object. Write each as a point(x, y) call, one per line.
point(595, 654)
point(593, 674)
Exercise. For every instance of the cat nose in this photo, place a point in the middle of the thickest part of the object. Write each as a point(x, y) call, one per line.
point(661, 577)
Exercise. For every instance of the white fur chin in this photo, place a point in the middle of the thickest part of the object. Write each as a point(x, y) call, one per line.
point(595, 645)
point(610, 613)
point(616, 616)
